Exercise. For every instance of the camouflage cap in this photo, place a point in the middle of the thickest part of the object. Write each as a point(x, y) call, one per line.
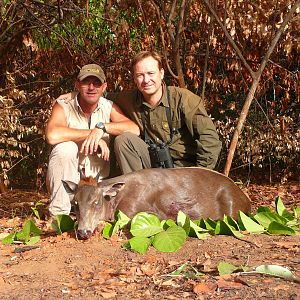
point(91, 70)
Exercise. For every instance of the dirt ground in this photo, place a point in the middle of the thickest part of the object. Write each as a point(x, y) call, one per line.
point(61, 267)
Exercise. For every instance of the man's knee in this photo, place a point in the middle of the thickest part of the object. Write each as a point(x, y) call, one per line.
point(124, 139)
point(65, 150)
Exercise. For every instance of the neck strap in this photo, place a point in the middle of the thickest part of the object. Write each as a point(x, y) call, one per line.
point(145, 135)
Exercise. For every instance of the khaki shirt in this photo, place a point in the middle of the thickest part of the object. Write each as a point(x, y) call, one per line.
point(91, 164)
point(195, 142)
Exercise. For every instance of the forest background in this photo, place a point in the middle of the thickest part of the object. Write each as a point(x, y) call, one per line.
point(224, 51)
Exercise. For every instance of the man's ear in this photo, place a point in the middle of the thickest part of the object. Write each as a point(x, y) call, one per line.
point(162, 73)
point(103, 87)
point(77, 85)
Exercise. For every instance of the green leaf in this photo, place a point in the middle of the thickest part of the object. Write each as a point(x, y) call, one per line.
point(249, 224)
point(281, 210)
point(263, 209)
point(263, 219)
point(29, 229)
point(140, 244)
point(63, 223)
point(184, 221)
point(9, 239)
point(165, 224)
point(297, 212)
point(197, 231)
point(144, 224)
point(210, 224)
point(122, 221)
point(277, 271)
point(33, 240)
point(224, 228)
point(231, 222)
point(170, 240)
point(277, 228)
point(226, 268)
point(107, 231)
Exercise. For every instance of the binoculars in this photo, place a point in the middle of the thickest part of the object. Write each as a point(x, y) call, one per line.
point(160, 156)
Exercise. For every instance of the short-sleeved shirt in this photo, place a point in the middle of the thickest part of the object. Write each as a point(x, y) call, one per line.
point(195, 141)
point(93, 165)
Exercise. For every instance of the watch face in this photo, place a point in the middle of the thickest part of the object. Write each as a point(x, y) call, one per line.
point(100, 125)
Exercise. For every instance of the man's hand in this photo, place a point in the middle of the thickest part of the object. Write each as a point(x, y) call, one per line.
point(93, 142)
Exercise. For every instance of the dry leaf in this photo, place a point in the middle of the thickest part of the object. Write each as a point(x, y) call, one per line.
point(108, 295)
point(204, 288)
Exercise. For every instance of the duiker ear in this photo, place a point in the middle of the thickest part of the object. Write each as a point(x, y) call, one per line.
point(112, 190)
point(70, 186)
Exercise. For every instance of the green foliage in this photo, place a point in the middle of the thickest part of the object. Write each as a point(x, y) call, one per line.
point(169, 236)
point(35, 209)
point(29, 235)
point(63, 223)
point(226, 268)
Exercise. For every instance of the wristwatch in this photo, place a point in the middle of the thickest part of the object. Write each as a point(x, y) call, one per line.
point(101, 125)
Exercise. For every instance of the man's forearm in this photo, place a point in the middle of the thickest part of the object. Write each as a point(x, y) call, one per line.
point(66, 134)
point(117, 128)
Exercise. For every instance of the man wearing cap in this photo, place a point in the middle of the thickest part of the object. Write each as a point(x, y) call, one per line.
point(79, 130)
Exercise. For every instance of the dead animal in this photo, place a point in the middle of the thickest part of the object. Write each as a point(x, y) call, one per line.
point(198, 192)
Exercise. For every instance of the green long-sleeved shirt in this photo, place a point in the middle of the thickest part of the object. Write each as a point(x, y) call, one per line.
point(195, 142)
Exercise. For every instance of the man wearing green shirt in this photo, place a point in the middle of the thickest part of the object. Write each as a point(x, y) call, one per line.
point(188, 131)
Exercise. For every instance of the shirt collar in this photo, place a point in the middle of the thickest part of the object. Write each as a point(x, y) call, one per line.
point(162, 102)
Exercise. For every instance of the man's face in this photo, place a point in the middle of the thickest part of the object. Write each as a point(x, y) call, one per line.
point(148, 77)
point(90, 89)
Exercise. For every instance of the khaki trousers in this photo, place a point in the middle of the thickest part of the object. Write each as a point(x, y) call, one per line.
point(131, 153)
point(63, 165)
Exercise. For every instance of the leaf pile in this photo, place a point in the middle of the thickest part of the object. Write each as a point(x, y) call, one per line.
point(169, 236)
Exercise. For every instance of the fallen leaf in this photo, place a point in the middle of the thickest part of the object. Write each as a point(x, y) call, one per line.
point(108, 295)
point(204, 288)
point(229, 284)
point(206, 265)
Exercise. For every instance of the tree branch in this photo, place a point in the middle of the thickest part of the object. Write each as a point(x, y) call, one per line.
point(231, 41)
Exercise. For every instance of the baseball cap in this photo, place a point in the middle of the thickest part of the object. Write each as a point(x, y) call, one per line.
point(91, 70)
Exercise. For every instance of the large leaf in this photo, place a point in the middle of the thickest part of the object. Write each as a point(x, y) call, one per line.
point(9, 239)
point(107, 230)
point(230, 221)
point(30, 229)
point(281, 210)
point(297, 212)
point(144, 224)
point(277, 271)
point(165, 224)
point(170, 240)
point(197, 231)
point(209, 224)
point(140, 244)
point(224, 228)
point(263, 219)
point(226, 268)
point(249, 224)
point(278, 228)
point(184, 221)
point(63, 223)
point(122, 221)
point(33, 240)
